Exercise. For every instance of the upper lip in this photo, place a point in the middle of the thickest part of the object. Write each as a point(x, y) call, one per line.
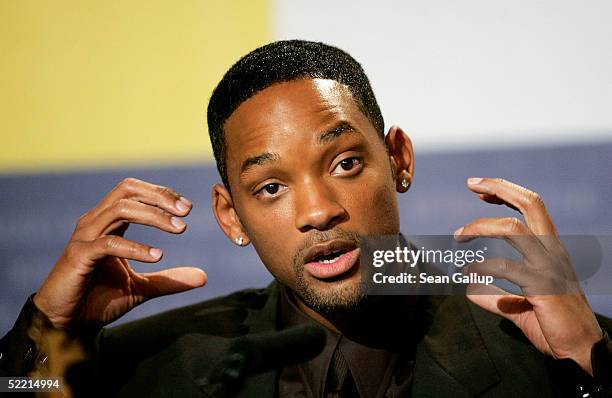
point(329, 247)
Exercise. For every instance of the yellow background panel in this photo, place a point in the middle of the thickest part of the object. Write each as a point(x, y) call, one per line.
point(90, 84)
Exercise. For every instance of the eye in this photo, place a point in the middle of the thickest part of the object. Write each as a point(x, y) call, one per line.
point(269, 190)
point(348, 164)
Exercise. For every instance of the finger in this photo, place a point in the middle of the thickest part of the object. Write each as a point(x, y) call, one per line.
point(498, 301)
point(504, 268)
point(129, 211)
point(169, 281)
point(111, 245)
point(495, 200)
point(156, 195)
point(510, 229)
point(529, 203)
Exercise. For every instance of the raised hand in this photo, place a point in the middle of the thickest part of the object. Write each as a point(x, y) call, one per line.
point(553, 313)
point(92, 283)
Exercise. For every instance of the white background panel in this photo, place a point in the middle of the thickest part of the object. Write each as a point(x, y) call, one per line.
point(477, 73)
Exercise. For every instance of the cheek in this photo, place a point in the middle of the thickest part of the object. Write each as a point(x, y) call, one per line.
point(276, 253)
point(374, 207)
point(386, 209)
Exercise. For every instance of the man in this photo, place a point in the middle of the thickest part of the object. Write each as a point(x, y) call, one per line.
point(307, 174)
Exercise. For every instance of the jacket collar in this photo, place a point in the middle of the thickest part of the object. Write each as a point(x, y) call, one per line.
point(453, 340)
point(265, 318)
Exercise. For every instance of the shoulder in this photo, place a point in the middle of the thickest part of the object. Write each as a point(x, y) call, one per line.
point(148, 356)
point(465, 339)
point(458, 310)
point(222, 316)
point(479, 351)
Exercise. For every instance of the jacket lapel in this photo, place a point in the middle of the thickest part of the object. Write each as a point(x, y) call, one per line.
point(453, 352)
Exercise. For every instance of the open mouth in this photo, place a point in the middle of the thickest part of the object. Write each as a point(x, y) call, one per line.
point(331, 259)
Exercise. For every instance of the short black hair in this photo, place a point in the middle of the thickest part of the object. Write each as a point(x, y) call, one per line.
point(284, 61)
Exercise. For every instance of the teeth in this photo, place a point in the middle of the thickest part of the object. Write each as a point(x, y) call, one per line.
point(330, 261)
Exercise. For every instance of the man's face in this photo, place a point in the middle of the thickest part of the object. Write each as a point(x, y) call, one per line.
point(309, 177)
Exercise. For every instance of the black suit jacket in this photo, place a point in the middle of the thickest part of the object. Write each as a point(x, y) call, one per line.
point(465, 352)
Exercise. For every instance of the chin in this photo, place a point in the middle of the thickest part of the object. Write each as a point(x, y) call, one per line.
point(334, 296)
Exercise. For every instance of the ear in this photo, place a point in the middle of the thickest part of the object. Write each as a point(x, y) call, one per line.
point(226, 216)
point(401, 156)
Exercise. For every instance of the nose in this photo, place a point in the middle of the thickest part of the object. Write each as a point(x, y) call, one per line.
point(317, 208)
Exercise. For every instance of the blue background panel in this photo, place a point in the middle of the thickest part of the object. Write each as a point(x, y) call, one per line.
point(39, 213)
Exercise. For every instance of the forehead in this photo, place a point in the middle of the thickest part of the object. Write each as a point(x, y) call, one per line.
point(289, 111)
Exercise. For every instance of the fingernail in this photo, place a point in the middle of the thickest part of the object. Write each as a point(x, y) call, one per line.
point(183, 204)
point(474, 180)
point(458, 232)
point(155, 252)
point(177, 222)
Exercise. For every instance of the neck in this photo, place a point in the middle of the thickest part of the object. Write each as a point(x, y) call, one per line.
point(390, 316)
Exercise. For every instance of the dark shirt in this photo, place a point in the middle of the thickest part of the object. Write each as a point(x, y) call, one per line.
point(376, 371)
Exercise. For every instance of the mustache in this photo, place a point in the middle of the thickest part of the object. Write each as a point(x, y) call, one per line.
point(321, 237)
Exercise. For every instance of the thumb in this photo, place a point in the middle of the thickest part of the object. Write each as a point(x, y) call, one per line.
point(498, 301)
point(169, 281)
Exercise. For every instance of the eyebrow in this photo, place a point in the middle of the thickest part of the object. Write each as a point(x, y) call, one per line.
point(259, 160)
point(324, 137)
point(336, 131)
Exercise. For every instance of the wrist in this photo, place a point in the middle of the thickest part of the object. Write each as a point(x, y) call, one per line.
point(43, 308)
point(584, 356)
point(575, 380)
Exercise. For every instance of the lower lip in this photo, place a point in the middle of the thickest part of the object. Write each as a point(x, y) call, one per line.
point(339, 267)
